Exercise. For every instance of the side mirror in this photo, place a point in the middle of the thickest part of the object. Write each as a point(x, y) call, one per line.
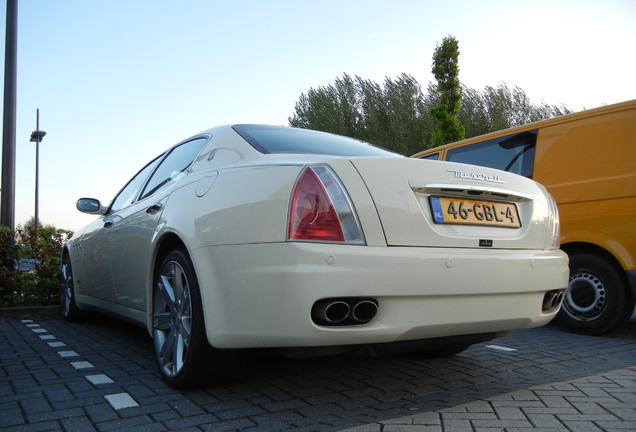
point(89, 205)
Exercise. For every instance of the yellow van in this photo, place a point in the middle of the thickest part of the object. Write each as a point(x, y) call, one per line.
point(587, 161)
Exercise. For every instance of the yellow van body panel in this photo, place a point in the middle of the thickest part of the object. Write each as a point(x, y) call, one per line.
point(609, 224)
point(589, 167)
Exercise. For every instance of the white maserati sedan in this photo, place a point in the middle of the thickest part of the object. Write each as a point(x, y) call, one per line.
point(252, 236)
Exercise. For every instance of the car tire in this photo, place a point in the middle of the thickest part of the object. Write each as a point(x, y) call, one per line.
point(184, 357)
point(70, 311)
point(597, 299)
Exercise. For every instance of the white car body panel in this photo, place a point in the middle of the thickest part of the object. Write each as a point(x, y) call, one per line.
point(269, 289)
point(230, 212)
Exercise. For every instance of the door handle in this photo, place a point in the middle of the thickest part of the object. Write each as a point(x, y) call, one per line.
point(109, 223)
point(154, 208)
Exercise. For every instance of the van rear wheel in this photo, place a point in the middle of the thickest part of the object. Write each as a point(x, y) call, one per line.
point(597, 299)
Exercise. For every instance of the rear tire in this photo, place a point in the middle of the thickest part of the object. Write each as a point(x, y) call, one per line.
point(184, 356)
point(597, 299)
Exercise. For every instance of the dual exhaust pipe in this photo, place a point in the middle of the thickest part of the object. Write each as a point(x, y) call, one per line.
point(360, 310)
point(552, 300)
point(344, 311)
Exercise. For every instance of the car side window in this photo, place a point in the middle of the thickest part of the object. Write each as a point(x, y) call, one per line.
point(173, 166)
point(130, 192)
point(513, 153)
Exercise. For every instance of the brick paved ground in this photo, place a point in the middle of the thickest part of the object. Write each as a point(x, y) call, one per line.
point(100, 376)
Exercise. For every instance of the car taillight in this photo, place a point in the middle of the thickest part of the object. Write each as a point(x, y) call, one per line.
point(320, 209)
point(556, 227)
point(555, 234)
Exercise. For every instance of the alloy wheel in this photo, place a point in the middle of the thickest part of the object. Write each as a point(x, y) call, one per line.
point(67, 287)
point(172, 318)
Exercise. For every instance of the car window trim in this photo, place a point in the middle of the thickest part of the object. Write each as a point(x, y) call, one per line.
point(185, 171)
point(160, 158)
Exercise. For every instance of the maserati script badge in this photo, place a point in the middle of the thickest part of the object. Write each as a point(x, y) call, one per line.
point(473, 176)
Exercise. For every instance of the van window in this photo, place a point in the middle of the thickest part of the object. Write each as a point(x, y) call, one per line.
point(513, 153)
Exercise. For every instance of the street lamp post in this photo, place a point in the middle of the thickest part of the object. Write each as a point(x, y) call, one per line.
point(36, 137)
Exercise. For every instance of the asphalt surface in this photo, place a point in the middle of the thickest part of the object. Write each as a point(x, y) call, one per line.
point(100, 376)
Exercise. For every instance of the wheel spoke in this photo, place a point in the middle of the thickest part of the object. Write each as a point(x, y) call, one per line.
point(166, 290)
point(185, 331)
point(179, 352)
point(166, 354)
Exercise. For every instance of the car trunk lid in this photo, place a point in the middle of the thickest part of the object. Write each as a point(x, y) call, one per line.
point(443, 204)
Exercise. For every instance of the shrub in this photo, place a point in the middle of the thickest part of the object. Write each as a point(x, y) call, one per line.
point(29, 273)
point(9, 278)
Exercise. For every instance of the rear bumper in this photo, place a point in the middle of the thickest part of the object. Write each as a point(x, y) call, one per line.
point(262, 295)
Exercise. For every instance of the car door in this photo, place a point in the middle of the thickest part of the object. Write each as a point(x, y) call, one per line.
point(133, 227)
point(96, 279)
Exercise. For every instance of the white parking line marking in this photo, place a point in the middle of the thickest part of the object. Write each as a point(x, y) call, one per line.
point(120, 401)
point(56, 344)
point(117, 401)
point(82, 365)
point(99, 379)
point(500, 348)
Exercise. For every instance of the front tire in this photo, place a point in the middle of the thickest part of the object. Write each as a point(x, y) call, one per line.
point(597, 299)
point(184, 356)
point(70, 311)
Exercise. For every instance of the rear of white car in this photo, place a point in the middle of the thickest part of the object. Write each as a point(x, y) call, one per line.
point(409, 250)
point(252, 236)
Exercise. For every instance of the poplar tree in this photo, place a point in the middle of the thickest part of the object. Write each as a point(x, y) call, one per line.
point(447, 106)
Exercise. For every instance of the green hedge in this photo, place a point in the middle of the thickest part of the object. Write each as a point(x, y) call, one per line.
point(30, 265)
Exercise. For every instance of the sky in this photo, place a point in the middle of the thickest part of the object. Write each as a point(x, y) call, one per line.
point(119, 81)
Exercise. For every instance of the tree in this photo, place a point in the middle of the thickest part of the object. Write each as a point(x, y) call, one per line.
point(447, 105)
point(498, 108)
point(332, 109)
point(393, 115)
point(396, 114)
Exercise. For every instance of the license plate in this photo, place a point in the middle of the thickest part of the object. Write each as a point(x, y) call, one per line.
point(469, 212)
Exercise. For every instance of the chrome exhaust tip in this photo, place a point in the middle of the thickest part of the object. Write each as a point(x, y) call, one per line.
point(344, 311)
point(364, 311)
point(552, 300)
point(331, 311)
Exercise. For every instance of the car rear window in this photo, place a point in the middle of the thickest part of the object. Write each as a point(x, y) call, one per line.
point(279, 139)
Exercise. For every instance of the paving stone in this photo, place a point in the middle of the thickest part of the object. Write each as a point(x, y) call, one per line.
point(100, 413)
point(121, 401)
point(140, 423)
point(10, 415)
point(553, 381)
point(78, 424)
